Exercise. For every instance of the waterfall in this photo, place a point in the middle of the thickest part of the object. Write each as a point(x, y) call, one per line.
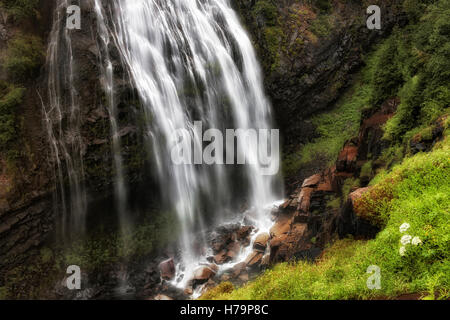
point(191, 60)
point(62, 117)
point(191, 63)
point(108, 85)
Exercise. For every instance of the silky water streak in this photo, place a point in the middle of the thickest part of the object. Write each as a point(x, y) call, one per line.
point(192, 60)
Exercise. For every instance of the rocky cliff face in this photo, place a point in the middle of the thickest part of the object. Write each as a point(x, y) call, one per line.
point(26, 215)
point(28, 180)
point(310, 52)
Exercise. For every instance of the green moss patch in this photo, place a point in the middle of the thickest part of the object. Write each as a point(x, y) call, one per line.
point(419, 194)
point(24, 57)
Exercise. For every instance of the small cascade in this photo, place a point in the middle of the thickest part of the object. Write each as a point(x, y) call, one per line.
point(62, 117)
point(108, 87)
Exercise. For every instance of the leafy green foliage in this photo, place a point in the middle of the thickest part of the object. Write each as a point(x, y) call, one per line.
point(268, 10)
point(321, 26)
point(425, 94)
point(419, 195)
point(385, 78)
point(10, 98)
point(24, 57)
point(366, 170)
point(20, 9)
point(349, 185)
point(334, 128)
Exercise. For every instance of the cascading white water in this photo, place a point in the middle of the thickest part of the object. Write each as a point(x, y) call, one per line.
point(62, 117)
point(192, 60)
point(108, 85)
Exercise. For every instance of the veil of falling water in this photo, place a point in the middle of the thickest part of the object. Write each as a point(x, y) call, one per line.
point(190, 60)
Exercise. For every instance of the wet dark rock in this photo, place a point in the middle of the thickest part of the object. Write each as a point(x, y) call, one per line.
point(203, 274)
point(167, 269)
point(222, 257)
point(309, 254)
point(169, 290)
point(265, 261)
point(350, 222)
point(233, 249)
point(311, 79)
point(213, 267)
point(261, 241)
point(244, 232)
point(347, 158)
point(238, 268)
point(254, 259)
point(225, 277)
point(312, 181)
point(424, 143)
point(222, 236)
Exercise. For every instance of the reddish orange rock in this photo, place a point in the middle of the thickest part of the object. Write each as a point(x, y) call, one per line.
point(304, 199)
point(204, 273)
point(311, 181)
point(261, 240)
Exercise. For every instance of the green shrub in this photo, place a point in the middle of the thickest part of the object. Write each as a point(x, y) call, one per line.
point(334, 203)
point(8, 124)
point(384, 73)
point(273, 37)
point(20, 9)
point(24, 57)
point(334, 128)
point(222, 288)
point(426, 92)
point(349, 185)
point(268, 10)
point(366, 170)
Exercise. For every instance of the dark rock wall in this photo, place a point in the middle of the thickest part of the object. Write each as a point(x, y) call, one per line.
point(308, 78)
point(28, 208)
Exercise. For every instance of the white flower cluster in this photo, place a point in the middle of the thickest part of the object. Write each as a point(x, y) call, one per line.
point(407, 239)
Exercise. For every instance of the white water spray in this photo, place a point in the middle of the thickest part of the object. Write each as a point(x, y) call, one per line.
point(192, 60)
